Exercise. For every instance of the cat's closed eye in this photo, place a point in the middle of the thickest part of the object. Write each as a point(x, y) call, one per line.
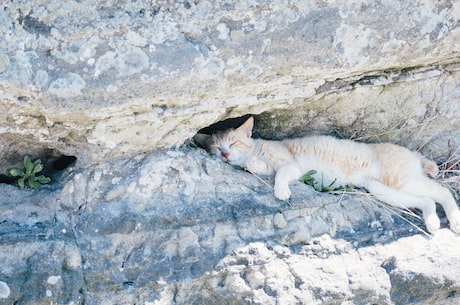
point(214, 149)
point(239, 144)
point(235, 144)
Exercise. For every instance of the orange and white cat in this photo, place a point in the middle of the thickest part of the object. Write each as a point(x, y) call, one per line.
point(393, 174)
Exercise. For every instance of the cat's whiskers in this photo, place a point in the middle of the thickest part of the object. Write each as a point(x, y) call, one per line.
point(265, 182)
point(258, 177)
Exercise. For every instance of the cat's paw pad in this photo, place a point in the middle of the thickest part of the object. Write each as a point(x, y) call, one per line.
point(432, 223)
point(282, 192)
point(454, 221)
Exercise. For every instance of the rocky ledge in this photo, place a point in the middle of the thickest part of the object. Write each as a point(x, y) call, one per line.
point(101, 80)
point(178, 227)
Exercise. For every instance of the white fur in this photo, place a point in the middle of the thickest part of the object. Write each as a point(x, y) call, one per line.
point(391, 173)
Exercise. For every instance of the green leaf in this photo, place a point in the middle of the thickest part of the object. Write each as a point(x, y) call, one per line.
point(37, 168)
point(43, 180)
point(310, 173)
point(14, 171)
point(21, 182)
point(330, 187)
point(35, 184)
point(28, 165)
point(308, 179)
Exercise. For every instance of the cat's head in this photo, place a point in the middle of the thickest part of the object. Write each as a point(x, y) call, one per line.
point(233, 145)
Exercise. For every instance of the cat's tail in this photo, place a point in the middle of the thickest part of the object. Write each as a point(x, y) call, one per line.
point(429, 167)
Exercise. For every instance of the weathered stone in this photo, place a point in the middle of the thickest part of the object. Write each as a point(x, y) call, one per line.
point(127, 78)
point(331, 272)
point(143, 219)
point(178, 227)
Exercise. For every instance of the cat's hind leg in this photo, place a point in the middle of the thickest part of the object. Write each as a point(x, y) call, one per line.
point(284, 175)
point(426, 187)
point(402, 199)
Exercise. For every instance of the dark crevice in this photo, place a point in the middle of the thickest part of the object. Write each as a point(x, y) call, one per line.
point(376, 77)
point(63, 162)
point(231, 123)
point(224, 125)
point(53, 168)
point(7, 179)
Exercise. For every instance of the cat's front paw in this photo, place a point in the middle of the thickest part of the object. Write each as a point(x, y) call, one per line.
point(432, 223)
point(454, 221)
point(282, 192)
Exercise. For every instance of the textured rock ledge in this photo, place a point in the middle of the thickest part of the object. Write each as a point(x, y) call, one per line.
point(177, 227)
point(131, 77)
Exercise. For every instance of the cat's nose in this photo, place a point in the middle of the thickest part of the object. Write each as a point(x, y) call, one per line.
point(225, 154)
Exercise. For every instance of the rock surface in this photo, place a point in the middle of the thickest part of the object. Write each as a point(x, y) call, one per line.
point(102, 80)
point(144, 219)
point(178, 227)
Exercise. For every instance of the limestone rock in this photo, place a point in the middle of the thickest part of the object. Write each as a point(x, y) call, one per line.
point(178, 227)
point(332, 272)
point(101, 80)
point(142, 218)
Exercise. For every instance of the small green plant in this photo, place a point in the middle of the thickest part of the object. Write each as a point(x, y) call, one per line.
point(310, 180)
point(454, 193)
point(27, 175)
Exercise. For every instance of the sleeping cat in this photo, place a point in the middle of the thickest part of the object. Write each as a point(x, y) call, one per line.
point(393, 174)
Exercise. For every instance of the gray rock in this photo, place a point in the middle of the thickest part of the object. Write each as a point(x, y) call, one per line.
point(101, 81)
point(178, 227)
point(144, 219)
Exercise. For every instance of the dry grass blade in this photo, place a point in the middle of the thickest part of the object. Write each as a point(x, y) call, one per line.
point(449, 172)
point(264, 182)
point(409, 131)
point(397, 211)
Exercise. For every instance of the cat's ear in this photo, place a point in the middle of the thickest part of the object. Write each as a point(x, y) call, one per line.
point(247, 126)
point(203, 140)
